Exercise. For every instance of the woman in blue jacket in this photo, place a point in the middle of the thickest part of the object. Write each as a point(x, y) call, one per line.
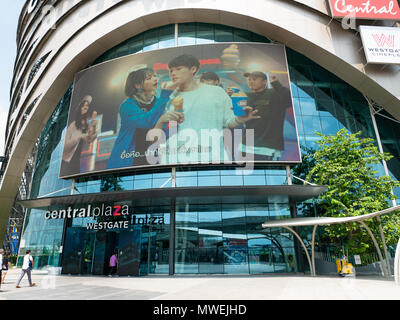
point(139, 112)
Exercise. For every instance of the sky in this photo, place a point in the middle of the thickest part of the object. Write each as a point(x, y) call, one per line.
point(8, 31)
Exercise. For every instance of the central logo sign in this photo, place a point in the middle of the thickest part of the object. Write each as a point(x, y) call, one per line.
point(366, 9)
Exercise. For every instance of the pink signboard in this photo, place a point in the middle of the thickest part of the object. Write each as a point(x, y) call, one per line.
point(366, 9)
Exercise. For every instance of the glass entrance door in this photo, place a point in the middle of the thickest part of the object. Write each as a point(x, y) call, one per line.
point(159, 249)
point(129, 252)
point(87, 253)
point(79, 251)
point(142, 249)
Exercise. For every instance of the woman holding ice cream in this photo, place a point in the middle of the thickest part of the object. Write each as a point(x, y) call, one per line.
point(139, 112)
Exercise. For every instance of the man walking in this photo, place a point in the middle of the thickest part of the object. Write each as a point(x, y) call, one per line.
point(26, 269)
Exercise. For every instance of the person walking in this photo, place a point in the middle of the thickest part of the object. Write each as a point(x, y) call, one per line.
point(4, 266)
point(1, 264)
point(113, 264)
point(26, 269)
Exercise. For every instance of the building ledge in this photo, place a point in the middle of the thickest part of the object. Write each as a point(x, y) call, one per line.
point(163, 196)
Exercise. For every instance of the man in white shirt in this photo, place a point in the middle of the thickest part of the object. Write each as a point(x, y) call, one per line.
point(26, 269)
point(207, 111)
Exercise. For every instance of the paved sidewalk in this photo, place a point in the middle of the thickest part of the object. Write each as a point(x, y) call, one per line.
point(216, 287)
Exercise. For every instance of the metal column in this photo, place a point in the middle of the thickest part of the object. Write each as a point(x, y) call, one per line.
point(378, 139)
point(172, 227)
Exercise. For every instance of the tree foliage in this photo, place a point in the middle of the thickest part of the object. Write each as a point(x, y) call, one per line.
point(347, 164)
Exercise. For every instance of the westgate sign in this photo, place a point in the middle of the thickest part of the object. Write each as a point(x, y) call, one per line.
point(365, 9)
point(381, 44)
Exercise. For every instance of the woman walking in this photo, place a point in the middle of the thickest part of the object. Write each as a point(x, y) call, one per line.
point(5, 264)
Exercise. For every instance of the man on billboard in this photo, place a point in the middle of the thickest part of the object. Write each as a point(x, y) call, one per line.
point(210, 78)
point(206, 108)
point(139, 112)
point(271, 104)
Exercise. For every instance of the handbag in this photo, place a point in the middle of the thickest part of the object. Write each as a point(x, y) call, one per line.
point(30, 265)
point(5, 264)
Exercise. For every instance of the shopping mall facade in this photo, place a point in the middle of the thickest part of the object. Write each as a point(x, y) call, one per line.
point(180, 219)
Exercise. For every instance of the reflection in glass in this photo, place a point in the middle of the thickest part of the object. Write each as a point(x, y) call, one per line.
point(235, 239)
point(186, 241)
point(210, 241)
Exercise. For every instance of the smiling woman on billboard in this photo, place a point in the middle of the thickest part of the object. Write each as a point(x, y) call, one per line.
point(139, 112)
point(79, 131)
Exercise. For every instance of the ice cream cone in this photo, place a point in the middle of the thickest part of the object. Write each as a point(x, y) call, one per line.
point(178, 104)
point(230, 57)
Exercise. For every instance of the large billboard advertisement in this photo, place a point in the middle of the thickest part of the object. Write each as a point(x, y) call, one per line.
point(226, 103)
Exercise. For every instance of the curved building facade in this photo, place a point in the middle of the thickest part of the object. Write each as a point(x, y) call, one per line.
point(179, 218)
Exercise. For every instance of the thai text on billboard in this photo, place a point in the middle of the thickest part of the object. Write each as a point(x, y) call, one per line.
point(227, 103)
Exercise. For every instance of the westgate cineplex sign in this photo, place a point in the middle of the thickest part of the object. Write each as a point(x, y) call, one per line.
point(365, 9)
point(381, 44)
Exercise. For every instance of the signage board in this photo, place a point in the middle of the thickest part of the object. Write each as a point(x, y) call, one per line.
point(226, 103)
point(365, 9)
point(106, 217)
point(381, 44)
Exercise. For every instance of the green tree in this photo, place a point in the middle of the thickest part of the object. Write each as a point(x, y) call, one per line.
point(346, 164)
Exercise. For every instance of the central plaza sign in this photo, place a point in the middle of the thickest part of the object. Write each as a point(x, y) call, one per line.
point(102, 214)
point(365, 9)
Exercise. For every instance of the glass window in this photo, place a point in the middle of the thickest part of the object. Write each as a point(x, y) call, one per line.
point(186, 181)
point(42, 237)
point(162, 183)
point(204, 33)
point(142, 184)
point(254, 180)
point(186, 242)
point(167, 36)
point(223, 33)
point(150, 40)
point(231, 180)
point(211, 181)
point(186, 34)
point(235, 239)
point(211, 255)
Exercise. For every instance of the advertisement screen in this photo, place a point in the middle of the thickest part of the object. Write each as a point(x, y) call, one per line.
point(226, 103)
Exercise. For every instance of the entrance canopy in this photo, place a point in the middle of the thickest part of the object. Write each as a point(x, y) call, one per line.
point(317, 221)
point(298, 222)
point(160, 196)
